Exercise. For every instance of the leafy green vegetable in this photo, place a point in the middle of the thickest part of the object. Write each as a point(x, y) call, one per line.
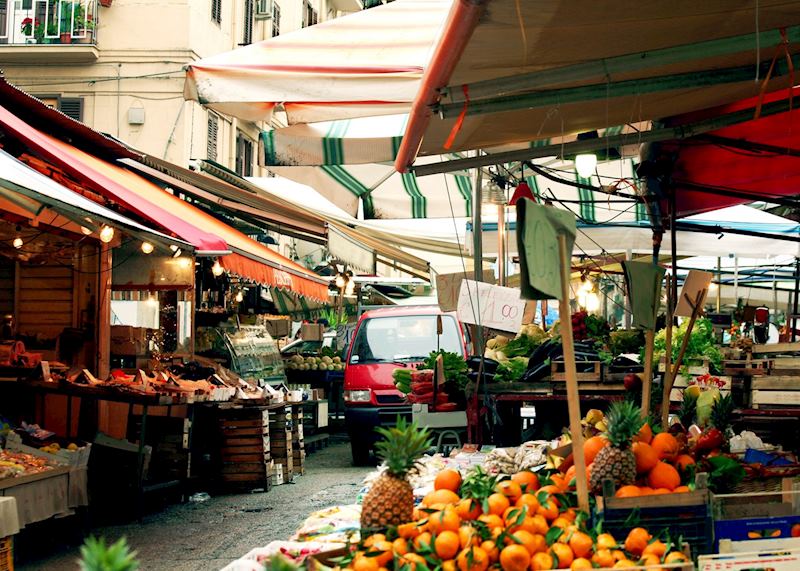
point(522, 346)
point(626, 341)
point(597, 328)
point(702, 344)
point(725, 473)
point(511, 370)
point(454, 365)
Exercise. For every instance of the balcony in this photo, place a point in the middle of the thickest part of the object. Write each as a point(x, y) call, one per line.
point(48, 31)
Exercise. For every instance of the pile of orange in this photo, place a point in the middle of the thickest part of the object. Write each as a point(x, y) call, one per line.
point(519, 527)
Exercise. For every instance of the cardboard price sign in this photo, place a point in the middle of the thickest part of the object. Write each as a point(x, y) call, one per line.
point(448, 287)
point(491, 306)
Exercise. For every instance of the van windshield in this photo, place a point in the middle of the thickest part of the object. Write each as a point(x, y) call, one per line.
point(404, 338)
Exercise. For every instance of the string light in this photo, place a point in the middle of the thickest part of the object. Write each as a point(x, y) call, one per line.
point(586, 164)
point(106, 234)
point(86, 231)
point(17, 243)
point(350, 287)
point(147, 247)
point(239, 297)
point(340, 281)
point(217, 269)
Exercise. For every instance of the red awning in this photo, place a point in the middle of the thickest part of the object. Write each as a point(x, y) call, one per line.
point(753, 161)
point(250, 260)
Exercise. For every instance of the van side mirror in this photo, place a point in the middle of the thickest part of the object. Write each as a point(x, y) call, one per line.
point(354, 359)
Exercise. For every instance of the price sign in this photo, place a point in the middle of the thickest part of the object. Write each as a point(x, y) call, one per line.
point(448, 286)
point(771, 560)
point(491, 306)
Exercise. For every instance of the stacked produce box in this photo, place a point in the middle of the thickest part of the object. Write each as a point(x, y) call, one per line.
point(245, 449)
point(280, 434)
point(298, 449)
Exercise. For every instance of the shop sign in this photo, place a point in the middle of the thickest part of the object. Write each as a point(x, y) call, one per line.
point(491, 306)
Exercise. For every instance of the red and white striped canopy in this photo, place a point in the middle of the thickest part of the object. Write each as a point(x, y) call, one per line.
point(363, 64)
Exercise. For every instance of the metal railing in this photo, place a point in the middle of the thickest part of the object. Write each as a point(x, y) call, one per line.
point(48, 22)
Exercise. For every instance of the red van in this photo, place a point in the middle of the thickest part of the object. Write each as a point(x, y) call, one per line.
point(384, 340)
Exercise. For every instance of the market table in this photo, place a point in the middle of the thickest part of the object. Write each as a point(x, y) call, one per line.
point(41, 496)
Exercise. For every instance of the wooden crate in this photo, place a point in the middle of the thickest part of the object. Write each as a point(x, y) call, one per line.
point(693, 367)
point(747, 367)
point(775, 390)
point(558, 374)
point(244, 449)
point(7, 553)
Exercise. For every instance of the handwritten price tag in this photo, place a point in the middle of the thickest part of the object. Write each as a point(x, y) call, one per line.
point(491, 306)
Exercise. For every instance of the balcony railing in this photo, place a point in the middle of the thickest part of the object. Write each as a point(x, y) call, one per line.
point(48, 22)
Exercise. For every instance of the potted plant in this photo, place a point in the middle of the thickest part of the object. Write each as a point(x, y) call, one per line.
point(84, 26)
point(65, 24)
point(27, 27)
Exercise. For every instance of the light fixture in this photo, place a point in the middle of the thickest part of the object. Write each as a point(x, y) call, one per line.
point(239, 297)
point(592, 302)
point(173, 247)
point(176, 253)
point(106, 234)
point(340, 281)
point(712, 286)
point(585, 164)
point(350, 287)
point(86, 231)
point(152, 300)
point(147, 248)
point(185, 262)
point(216, 269)
point(17, 243)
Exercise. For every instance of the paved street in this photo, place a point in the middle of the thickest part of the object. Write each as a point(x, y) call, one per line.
point(209, 535)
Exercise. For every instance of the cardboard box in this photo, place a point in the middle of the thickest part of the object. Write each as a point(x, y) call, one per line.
point(312, 331)
point(278, 327)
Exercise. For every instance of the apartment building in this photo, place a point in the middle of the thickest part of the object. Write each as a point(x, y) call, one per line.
point(117, 65)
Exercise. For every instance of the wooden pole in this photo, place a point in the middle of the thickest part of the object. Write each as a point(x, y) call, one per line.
point(647, 382)
point(573, 399)
point(667, 358)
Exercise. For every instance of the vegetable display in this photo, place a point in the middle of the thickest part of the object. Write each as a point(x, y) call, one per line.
point(702, 344)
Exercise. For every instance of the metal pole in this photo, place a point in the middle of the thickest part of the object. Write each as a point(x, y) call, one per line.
point(796, 293)
point(501, 244)
point(719, 284)
point(477, 228)
point(628, 257)
point(673, 235)
point(736, 280)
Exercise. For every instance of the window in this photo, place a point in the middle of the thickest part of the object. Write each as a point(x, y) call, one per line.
point(70, 106)
point(249, 14)
point(403, 338)
point(309, 14)
point(244, 155)
point(216, 11)
point(276, 19)
point(212, 135)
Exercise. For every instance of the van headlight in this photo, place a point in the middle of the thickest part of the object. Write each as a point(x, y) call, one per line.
point(357, 396)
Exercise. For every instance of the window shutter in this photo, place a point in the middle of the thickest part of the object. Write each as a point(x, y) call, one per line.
point(276, 19)
point(249, 13)
point(216, 11)
point(72, 107)
point(212, 134)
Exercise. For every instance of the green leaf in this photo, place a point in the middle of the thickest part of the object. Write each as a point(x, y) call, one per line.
point(552, 535)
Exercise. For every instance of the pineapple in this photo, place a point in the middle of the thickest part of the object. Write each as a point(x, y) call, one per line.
point(96, 556)
point(616, 461)
point(688, 410)
point(721, 413)
point(391, 499)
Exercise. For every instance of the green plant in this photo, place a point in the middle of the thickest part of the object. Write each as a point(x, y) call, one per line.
point(454, 365)
point(83, 21)
point(97, 556)
point(702, 344)
point(626, 341)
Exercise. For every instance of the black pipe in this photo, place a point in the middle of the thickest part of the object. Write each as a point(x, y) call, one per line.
point(796, 292)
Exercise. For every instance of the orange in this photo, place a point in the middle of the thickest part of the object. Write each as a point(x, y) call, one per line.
point(373, 539)
point(664, 476)
point(447, 544)
point(447, 519)
point(665, 445)
point(629, 492)
point(548, 510)
point(581, 563)
point(606, 541)
point(498, 503)
point(524, 538)
point(408, 530)
point(423, 541)
point(411, 561)
point(509, 489)
point(593, 445)
point(624, 564)
point(491, 520)
point(449, 565)
point(645, 491)
point(681, 489)
point(563, 554)
point(440, 497)
point(570, 514)
point(539, 524)
point(515, 558)
point(675, 557)
point(603, 558)
point(468, 509)
point(530, 501)
point(468, 535)
point(646, 457)
point(528, 481)
point(618, 554)
point(657, 548)
point(512, 513)
point(683, 461)
point(447, 479)
point(472, 559)
point(551, 489)
point(538, 544)
point(560, 482)
point(542, 562)
point(581, 544)
point(386, 550)
point(561, 522)
point(637, 540)
point(645, 434)
point(649, 559)
point(364, 563)
point(491, 549)
point(661, 491)
point(400, 545)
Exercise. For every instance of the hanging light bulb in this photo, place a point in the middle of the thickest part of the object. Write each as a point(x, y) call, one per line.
point(86, 231)
point(147, 247)
point(585, 164)
point(340, 281)
point(350, 287)
point(176, 252)
point(216, 269)
point(239, 297)
point(152, 300)
point(592, 302)
point(184, 262)
point(17, 243)
point(106, 234)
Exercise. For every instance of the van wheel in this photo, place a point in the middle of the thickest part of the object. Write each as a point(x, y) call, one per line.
point(360, 450)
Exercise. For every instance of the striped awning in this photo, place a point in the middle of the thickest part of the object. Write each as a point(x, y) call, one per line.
point(385, 194)
point(366, 63)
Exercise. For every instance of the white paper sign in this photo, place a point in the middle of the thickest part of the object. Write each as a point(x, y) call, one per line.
point(777, 560)
point(491, 306)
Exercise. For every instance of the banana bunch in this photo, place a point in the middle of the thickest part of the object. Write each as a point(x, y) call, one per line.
point(594, 423)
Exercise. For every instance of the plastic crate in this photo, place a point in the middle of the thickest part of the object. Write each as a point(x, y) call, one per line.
point(7, 554)
point(687, 517)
